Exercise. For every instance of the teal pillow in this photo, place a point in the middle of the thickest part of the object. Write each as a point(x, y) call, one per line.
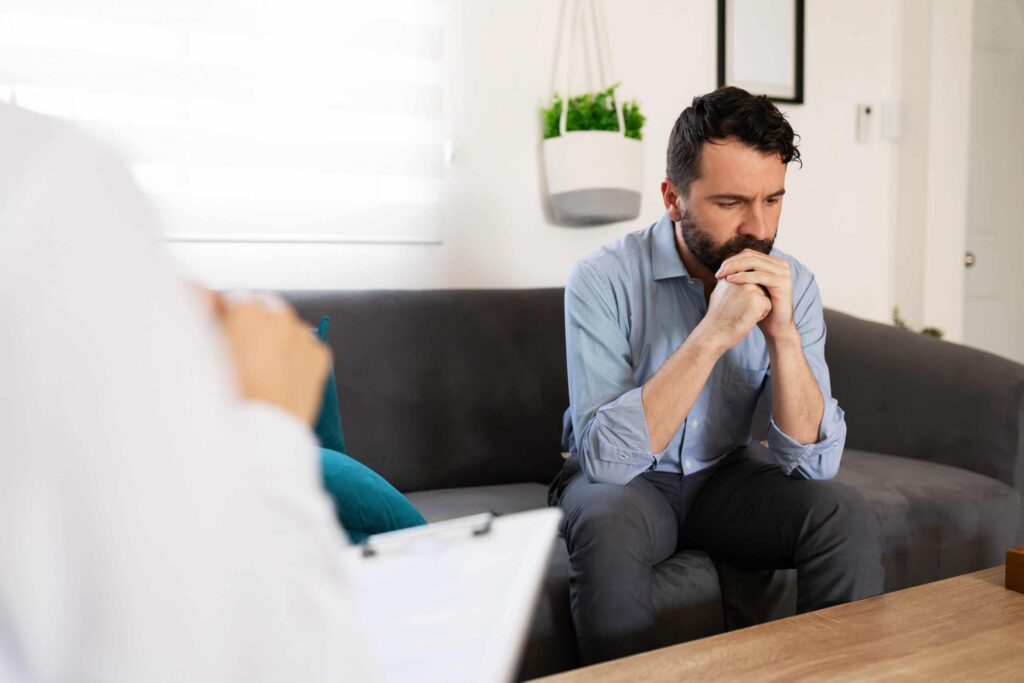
point(328, 423)
point(363, 500)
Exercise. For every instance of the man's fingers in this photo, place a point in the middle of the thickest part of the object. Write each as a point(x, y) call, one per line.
point(752, 260)
point(740, 264)
point(771, 281)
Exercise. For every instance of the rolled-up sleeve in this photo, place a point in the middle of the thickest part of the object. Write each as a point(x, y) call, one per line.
point(606, 403)
point(817, 460)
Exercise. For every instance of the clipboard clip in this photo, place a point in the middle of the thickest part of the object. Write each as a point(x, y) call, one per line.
point(462, 527)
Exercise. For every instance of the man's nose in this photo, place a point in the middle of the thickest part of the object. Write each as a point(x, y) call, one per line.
point(755, 224)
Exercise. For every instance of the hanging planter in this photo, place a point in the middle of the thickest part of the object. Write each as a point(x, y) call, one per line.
point(593, 154)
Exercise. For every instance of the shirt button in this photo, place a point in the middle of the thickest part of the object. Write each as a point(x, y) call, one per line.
point(687, 463)
point(694, 424)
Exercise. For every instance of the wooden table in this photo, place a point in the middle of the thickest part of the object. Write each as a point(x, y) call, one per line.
point(968, 628)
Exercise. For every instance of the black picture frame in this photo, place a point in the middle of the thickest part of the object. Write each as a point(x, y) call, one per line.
point(795, 95)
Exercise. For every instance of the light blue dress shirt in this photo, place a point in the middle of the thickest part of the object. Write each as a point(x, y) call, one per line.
point(628, 307)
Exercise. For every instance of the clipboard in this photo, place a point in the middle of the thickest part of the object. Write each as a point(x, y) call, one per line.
point(452, 601)
point(395, 541)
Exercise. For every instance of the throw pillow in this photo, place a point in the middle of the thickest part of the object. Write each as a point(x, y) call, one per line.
point(363, 500)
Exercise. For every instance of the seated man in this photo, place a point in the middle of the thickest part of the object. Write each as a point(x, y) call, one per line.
point(672, 334)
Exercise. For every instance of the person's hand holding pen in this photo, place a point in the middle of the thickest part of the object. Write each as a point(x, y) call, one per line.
point(276, 358)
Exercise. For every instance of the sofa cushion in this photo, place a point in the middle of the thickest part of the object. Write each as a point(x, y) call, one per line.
point(441, 504)
point(937, 521)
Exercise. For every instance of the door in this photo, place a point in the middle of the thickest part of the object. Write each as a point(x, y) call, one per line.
point(994, 284)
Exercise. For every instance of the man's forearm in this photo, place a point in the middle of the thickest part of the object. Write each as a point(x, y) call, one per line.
point(797, 403)
point(669, 395)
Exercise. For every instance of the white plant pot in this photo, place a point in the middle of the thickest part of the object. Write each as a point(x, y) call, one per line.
point(594, 177)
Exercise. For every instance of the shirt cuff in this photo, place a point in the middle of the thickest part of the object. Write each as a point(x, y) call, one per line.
point(622, 428)
point(818, 460)
point(616, 447)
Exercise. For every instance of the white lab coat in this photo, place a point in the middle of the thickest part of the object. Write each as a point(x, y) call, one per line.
point(153, 526)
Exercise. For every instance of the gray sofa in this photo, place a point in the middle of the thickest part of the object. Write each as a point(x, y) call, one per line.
point(457, 397)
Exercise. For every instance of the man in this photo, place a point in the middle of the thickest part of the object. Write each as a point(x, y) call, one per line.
point(672, 334)
point(160, 496)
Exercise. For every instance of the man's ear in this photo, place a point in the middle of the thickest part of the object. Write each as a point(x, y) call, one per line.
point(673, 200)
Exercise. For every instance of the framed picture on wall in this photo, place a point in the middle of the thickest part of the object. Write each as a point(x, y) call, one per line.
point(761, 47)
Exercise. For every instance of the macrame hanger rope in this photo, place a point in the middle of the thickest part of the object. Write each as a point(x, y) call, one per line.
point(573, 25)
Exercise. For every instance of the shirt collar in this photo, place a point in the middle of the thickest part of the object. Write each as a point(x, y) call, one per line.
point(665, 259)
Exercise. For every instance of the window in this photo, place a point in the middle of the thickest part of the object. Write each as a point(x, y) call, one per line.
point(280, 120)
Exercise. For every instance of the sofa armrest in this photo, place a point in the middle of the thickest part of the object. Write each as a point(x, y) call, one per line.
point(915, 396)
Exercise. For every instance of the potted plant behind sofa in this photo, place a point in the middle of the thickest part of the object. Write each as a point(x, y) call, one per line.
point(593, 154)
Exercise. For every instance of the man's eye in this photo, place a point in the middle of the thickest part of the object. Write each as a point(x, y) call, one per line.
point(772, 201)
point(727, 205)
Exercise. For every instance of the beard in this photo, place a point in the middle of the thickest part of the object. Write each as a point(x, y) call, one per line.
point(711, 255)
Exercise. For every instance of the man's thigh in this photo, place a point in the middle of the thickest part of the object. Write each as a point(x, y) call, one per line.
point(751, 515)
point(635, 520)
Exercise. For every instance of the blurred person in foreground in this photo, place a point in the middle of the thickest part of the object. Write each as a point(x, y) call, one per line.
point(672, 335)
point(162, 513)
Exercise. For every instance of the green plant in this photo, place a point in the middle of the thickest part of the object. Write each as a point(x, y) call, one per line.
point(593, 111)
point(899, 322)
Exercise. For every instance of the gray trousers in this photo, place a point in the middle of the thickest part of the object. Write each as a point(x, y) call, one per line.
point(744, 513)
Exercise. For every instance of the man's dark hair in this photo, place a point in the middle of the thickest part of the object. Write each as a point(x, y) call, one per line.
point(724, 113)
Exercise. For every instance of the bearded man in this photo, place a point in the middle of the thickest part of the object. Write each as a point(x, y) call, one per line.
point(672, 334)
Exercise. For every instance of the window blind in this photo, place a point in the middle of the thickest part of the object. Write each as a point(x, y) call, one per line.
point(279, 120)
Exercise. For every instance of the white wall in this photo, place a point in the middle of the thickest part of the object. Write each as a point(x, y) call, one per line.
point(839, 212)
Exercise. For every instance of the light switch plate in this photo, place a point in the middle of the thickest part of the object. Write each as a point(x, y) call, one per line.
point(865, 116)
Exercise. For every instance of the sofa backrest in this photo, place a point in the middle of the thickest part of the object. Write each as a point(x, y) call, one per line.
point(454, 388)
point(448, 388)
point(915, 396)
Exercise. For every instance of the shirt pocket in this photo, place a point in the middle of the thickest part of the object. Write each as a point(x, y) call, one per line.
point(737, 395)
point(746, 377)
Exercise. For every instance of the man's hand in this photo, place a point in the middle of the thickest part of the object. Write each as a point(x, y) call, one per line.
point(751, 267)
point(277, 359)
point(733, 310)
point(668, 396)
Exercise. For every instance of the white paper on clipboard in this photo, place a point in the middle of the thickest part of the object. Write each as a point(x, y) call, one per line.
point(452, 603)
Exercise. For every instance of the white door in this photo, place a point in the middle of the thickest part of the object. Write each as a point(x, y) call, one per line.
point(994, 285)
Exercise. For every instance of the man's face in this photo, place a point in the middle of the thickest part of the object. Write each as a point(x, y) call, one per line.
point(734, 205)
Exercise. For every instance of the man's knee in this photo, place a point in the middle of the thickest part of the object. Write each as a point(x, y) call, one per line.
point(840, 512)
point(627, 519)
